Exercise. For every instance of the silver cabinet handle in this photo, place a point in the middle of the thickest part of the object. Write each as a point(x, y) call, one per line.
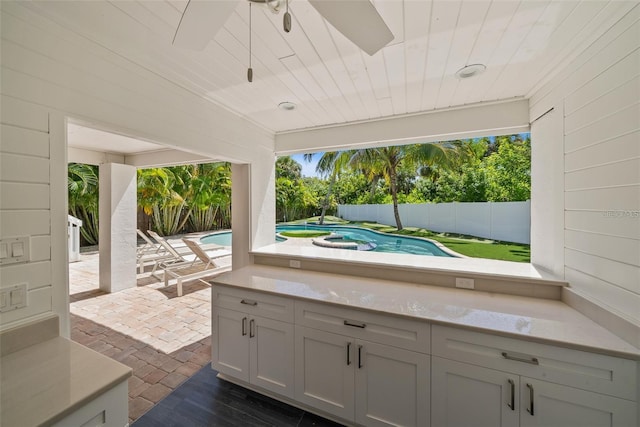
point(252, 325)
point(244, 326)
point(348, 353)
point(519, 358)
point(360, 364)
point(513, 395)
point(249, 302)
point(355, 324)
point(530, 408)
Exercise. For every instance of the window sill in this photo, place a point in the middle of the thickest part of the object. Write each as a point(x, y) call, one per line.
point(489, 275)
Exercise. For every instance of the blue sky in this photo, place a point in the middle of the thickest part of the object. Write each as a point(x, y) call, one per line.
point(308, 168)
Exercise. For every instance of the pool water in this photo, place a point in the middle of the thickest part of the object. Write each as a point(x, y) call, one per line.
point(384, 242)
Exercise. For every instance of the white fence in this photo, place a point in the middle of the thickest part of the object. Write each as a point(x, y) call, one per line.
point(506, 221)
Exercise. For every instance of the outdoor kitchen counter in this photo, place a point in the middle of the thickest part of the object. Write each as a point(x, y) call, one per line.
point(538, 320)
point(45, 382)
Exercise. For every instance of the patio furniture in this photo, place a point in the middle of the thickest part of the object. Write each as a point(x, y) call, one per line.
point(206, 266)
point(180, 259)
point(149, 246)
point(150, 252)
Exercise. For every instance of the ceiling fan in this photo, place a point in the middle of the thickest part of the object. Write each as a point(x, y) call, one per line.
point(357, 20)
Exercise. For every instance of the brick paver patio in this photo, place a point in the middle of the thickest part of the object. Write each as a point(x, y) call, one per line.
point(164, 338)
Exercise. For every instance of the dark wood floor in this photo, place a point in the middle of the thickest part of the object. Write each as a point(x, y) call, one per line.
point(204, 400)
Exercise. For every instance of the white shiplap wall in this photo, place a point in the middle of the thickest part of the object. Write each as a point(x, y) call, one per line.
point(50, 73)
point(25, 204)
point(600, 96)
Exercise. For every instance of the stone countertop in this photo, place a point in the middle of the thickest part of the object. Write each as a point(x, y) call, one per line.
point(45, 382)
point(539, 320)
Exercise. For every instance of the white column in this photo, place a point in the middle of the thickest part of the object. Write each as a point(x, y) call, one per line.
point(117, 227)
point(547, 192)
point(240, 215)
point(253, 207)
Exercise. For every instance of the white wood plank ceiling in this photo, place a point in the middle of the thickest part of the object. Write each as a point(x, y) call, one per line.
point(522, 43)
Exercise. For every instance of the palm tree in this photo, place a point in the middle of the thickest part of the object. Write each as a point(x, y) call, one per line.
point(386, 161)
point(83, 192)
point(332, 163)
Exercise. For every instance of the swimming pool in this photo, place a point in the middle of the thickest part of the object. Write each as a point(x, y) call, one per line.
point(391, 243)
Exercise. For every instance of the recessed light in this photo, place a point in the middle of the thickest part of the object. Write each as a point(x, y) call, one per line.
point(470, 71)
point(287, 106)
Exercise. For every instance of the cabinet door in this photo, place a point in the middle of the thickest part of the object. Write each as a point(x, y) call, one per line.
point(392, 386)
point(271, 355)
point(324, 364)
point(231, 343)
point(464, 395)
point(549, 405)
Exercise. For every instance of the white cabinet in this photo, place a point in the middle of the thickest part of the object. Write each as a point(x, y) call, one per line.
point(109, 409)
point(374, 369)
point(490, 384)
point(544, 404)
point(370, 383)
point(324, 371)
point(472, 396)
point(251, 348)
point(392, 386)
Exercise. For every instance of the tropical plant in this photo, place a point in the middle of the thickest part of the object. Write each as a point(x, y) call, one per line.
point(83, 190)
point(386, 161)
point(209, 198)
point(158, 197)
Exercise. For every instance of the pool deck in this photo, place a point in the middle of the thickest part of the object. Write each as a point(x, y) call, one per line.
point(164, 338)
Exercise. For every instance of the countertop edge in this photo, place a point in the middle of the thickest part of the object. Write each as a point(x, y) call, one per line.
point(123, 376)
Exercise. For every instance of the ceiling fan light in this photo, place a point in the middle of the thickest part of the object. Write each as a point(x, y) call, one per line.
point(469, 71)
point(287, 106)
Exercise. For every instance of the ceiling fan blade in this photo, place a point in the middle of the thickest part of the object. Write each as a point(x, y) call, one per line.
point(201, 21)
point(357, 20)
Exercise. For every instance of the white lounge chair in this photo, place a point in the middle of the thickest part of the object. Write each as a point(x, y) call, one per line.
point(207, 266)
point(179, 258)
point(149, 252)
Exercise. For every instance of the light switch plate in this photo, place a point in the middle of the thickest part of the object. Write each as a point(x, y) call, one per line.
point(14, 250)
point(14, 297)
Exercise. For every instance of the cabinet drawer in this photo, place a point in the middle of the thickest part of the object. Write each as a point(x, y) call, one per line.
point(404, 333)
point(254, 303)
point(588, 371)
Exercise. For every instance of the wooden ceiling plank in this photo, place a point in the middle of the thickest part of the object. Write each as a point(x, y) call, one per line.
point(444, 17)
point(417, 20)
point(395, 65)
point(464, 39)
point(316, 29)
point(524, 23)
point(350, 55)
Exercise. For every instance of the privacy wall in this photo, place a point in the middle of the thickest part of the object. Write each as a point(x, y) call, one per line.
point(506, 221)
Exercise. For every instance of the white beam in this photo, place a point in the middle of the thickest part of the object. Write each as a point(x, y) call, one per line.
point(499, 118)
point(153, 159)
point(92, 157)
